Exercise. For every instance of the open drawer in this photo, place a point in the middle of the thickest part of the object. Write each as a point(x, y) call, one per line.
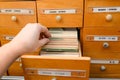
point(16, 68)
point(56, 67)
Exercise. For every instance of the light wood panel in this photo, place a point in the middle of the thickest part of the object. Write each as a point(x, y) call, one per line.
point(16, 0)
point(17, 14)
point(66, 19)
point(111, 70)
point(101, 19)
point(16, 68)
point(34, 64)
point(97, 48)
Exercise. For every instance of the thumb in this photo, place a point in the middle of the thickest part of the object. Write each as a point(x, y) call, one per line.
point(43, 41)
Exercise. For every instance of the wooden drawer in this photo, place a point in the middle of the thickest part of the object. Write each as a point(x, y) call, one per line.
point(101, 43)
point(9, 31)
point(17, 0)
point(102, 13)
point(7, 34)
point(52, 68)
point(17, 14)
point(60, 13)
point(16, 68)
point(105, 69)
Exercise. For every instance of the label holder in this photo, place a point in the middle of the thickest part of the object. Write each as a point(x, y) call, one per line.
point(56, 72)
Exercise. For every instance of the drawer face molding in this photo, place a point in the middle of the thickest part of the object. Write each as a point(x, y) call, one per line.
point(56, 72)
point(106, 9)
point(17, 11)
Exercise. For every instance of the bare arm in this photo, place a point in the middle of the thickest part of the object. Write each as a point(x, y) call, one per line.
point(31, 37)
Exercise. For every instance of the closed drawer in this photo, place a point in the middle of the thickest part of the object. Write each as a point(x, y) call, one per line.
point(101, 43)
point(105, 68)
point(17, 14)
point(102, 13)
point(7, 34)
point(60, 13)
point(9, 31)
point(52, 68)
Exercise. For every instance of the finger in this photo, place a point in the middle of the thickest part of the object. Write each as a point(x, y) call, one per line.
point(45, 31)
point(43, 41)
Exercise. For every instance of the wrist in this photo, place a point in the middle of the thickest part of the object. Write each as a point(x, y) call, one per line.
point(14, 49)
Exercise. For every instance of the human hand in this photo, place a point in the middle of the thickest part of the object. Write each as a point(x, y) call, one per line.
point(31, 37)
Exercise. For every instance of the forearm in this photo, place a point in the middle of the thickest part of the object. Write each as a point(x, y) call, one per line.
point(31, 37)
point(8, 54)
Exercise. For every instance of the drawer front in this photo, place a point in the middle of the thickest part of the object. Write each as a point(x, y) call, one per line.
point(17, 14)
point(17, 0)
point(15, 69)
point(101, 43)
point(9, 31)
point(52, 68)
point(54, 13)
point(7, 34)
point(105, 68)
point(102, 13)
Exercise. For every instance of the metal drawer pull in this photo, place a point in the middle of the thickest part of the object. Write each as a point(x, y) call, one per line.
point(14, 18)
point(109, 17)
point(105, 45)
point(102, 68)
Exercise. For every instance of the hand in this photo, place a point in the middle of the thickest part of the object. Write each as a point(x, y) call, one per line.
point(31, 37)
